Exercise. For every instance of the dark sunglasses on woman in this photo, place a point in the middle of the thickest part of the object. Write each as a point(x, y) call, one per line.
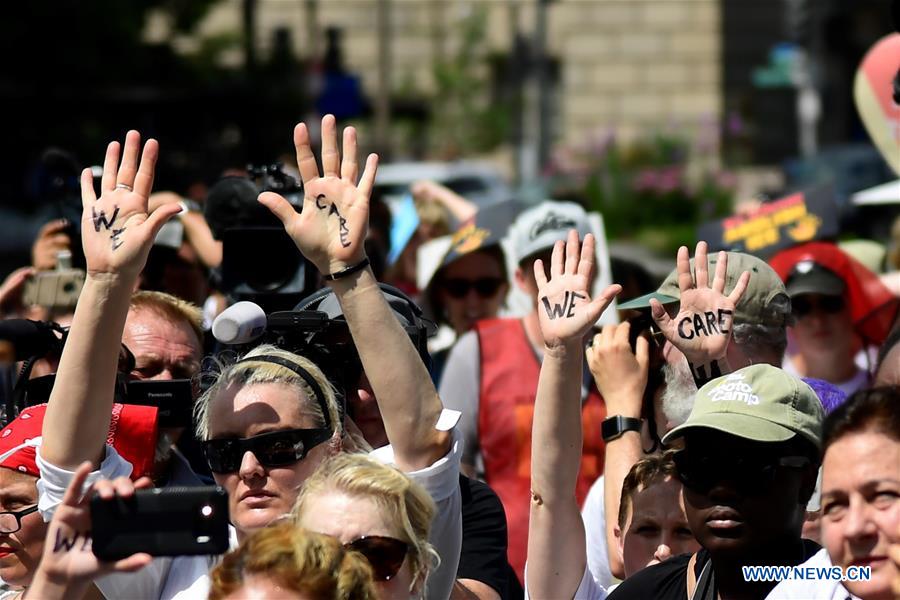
point(486, 287)
point(273, 449)
point(385, 554)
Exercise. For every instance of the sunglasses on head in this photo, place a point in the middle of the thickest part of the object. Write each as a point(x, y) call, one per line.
point(486, 287)
point(750, 476)
point(274, 449)
point(804, 305)
point(385, 554)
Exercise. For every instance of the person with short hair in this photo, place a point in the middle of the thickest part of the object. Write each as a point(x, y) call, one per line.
point(860, 500)
point(748, 466)
point(285, 561)
point(651, 525)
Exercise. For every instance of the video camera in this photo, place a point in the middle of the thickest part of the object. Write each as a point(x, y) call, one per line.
point(260, 262)
point(29, 341)
point(317, 330)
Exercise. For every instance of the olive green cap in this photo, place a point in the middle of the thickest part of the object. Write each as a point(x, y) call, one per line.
point(760, 403)
point(765, 302)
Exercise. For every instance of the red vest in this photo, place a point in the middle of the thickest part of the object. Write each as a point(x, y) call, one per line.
point(509, 379)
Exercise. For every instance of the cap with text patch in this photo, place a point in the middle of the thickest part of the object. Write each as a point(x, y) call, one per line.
point(540, 227)
point(765, 301)
point(760, 403)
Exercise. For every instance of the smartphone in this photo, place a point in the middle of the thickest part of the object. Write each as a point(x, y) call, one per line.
point(175, 399)
point(174, 521)
point(54, 289)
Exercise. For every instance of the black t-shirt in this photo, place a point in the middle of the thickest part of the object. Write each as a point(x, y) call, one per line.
point(484, 540)
point(668, 579)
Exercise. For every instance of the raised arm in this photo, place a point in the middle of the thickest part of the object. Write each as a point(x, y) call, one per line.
point(621, 376)
point(330, 232)
point(702, 328)
point(556, 549)
point(117, 233)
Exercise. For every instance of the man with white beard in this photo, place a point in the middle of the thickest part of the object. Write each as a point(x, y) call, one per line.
point(700, 314)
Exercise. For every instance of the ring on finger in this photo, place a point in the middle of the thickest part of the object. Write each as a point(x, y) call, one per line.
point(124, 186)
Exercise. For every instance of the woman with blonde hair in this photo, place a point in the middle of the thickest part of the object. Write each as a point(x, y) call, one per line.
point(377, 511)
point(271, 418)
point(284, 561)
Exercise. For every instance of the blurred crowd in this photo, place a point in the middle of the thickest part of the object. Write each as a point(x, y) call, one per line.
point(418, 395)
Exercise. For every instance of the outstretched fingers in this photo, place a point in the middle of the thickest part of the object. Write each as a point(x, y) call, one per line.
point(721, 272)
point(306, 160)
point(701, 265)
point(72, 495)
point(683, 268)
point(349, 166)
point(331, 159)
point(110, 168)
point(601, 302)
point(280, 207)
point(540, 276)
point(88, 196)
point(659, 314)
point(739, 288)
point(128, 168)
point(572, 252)
point(586, 262)
point(143, 180)
point(368, 177)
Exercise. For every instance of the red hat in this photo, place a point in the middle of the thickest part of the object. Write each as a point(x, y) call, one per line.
point(132, 432)
point(873, 307)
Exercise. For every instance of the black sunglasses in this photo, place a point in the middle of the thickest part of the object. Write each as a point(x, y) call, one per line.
point(804, 305)
point(385, 554)
point(275, 449)
point(751, 476)
point(486, 287)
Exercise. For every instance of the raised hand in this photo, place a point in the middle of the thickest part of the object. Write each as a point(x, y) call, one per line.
point(332, 226)
point(67, 553)
point(702, 327)
point(565, 309)
point(619, 372)
point(117, 230)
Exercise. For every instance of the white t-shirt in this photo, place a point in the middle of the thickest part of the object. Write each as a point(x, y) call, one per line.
point(810, 589)
point(593, 513)
point(588, 589)
point(187, 577)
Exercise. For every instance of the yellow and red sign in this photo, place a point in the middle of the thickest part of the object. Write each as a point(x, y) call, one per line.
point(873, 91)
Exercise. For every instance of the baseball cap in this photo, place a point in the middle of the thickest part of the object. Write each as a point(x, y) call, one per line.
point(809, 277)
point(761, 403)
point(540, 227)
point(760, 303)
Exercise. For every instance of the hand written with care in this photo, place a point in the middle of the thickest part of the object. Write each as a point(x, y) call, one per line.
point(565, 309)
point(702, 327)
point(332, 226)
point(117, 229)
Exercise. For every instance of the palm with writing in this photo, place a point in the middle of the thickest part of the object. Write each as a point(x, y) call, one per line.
point(565, 309)
point(331, 228)
point(67, 552)
point(117, 229)
point(702, 328)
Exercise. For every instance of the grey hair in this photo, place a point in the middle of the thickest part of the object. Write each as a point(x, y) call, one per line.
point(249, 372)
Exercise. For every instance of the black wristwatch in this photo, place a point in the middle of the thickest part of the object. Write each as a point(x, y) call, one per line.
point(614, 427)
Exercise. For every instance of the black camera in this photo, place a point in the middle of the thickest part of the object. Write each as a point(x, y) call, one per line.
point(260, 262)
